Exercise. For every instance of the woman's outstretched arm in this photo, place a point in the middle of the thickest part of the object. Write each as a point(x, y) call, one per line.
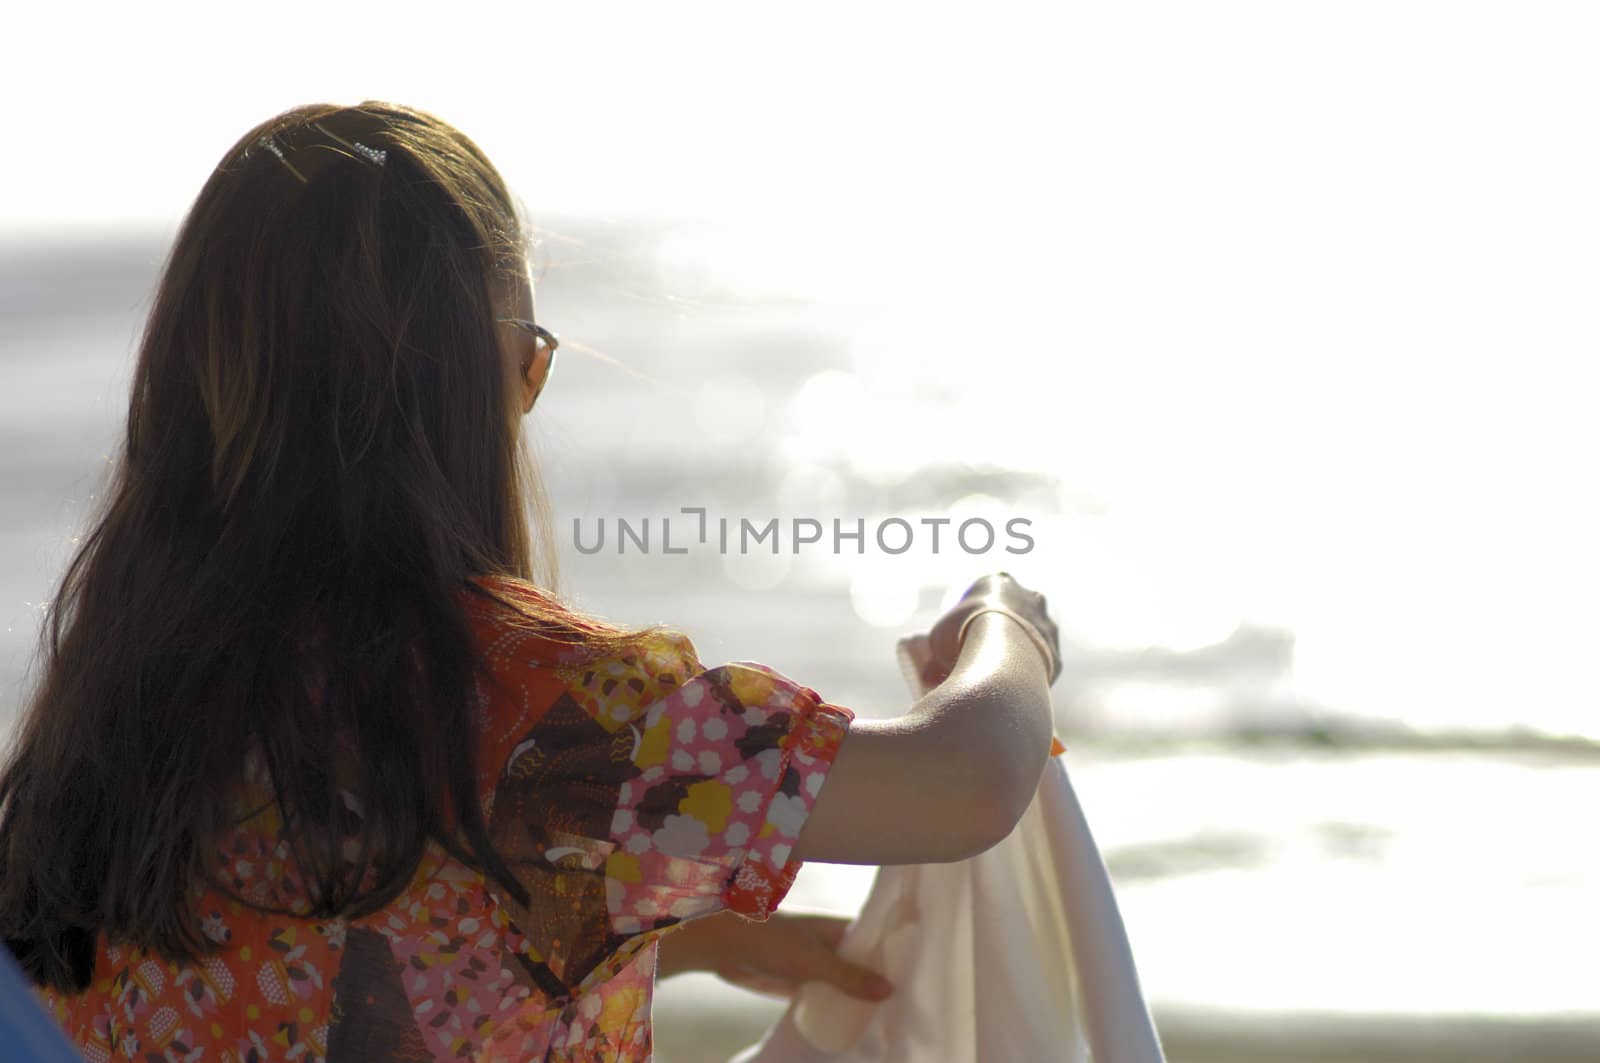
point(952, 776)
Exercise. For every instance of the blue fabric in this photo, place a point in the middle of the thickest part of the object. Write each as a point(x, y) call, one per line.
point(27, 1032)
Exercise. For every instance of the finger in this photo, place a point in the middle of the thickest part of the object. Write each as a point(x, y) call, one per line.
point(815, 960)
point(831, 929)
point(743, 972)
point(858, 981)
point(980, 585)
point(758, 981)
point(811, 953)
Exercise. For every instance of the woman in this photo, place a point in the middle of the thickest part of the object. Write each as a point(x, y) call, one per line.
point(316, 770)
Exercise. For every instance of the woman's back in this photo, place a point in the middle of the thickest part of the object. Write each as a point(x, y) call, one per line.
point(295, 785)
point(627, 794)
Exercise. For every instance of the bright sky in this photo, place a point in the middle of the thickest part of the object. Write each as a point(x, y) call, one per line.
point(1307, 289)
point(607, 107)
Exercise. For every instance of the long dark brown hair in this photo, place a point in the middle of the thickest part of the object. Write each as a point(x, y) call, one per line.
point(322, 451)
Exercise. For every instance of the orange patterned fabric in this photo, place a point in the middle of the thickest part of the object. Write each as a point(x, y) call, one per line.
point(628, 795)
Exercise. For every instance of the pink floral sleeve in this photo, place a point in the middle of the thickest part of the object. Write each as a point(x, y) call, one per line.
point(655, 790)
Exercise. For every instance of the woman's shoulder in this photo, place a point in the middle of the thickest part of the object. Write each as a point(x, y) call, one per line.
point(508, 609)
point(655, 670)
point(538, 657)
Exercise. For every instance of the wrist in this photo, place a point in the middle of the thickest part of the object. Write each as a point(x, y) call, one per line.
point(1052, 664)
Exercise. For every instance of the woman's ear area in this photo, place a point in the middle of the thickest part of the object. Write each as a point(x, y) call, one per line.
point(515, 300)
point(520, 358)
point(529, 392)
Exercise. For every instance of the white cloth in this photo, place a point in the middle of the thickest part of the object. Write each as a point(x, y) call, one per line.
point(1018, 954)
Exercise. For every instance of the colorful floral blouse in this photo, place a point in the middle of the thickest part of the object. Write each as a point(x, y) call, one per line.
point(627, 794)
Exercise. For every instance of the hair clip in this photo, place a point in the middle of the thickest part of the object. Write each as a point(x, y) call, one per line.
point(377, 156)
point(271, 145)
point(373, 155)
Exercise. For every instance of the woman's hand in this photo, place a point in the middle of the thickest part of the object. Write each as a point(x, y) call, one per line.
point(773, 958)
point(944, 638)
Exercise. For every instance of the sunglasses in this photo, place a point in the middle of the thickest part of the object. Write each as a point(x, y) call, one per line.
point(545, 342)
